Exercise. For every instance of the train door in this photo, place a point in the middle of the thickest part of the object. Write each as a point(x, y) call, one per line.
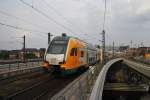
point(73, 57)
point(83, 56)
point(76, 56)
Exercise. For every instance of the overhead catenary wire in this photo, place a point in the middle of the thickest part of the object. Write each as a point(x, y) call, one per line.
point(59, 14)
point(20, 28)
point(94, 7)
point(110, 38)
point(18, 18)
point(97, 7)
point(8, 41)
point(89, 3)
point(104, 21)
point(48, 17)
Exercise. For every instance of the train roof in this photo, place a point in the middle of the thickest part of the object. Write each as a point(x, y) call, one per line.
point(65, 37)
point(61, 38)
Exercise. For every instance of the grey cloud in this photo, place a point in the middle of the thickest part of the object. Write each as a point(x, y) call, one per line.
point(123, 23)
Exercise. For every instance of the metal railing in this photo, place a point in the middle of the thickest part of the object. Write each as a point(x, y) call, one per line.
point(19, 61)
point(6, 68)
point(11, 70)
point(80, 88)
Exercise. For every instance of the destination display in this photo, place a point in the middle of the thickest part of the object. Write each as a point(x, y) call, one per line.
point(60, 42)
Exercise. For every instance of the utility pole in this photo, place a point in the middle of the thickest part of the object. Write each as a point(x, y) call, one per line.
point(103, 47)
point(113, 48)
point(131, 43)
point(24, 50)
point(49, 37)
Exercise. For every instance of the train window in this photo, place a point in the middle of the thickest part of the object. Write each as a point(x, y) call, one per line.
point(57, 47)
point(72, 53)
point(82, 53)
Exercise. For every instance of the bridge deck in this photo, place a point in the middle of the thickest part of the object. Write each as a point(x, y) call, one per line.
point(99, 85)
point(142, 68)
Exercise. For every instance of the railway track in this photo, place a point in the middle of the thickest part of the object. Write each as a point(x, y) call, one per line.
point(43, 90)
point(36, 85)
point(141, 61)
point(10, 86)
point(6, 80)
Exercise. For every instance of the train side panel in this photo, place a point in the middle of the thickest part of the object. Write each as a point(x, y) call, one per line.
point(75, 55)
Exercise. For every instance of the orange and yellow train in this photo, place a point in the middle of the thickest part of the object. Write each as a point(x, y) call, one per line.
point(68, 54)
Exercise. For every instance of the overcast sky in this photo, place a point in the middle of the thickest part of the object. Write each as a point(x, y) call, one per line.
point(126, 20)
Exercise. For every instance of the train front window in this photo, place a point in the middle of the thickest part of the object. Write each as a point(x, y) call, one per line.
point(57, 47)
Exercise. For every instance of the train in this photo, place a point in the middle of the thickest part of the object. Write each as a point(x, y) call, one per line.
point(68, 55)
point(147, 53)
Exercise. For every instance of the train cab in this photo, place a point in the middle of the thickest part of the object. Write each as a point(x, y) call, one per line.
point(56, 51)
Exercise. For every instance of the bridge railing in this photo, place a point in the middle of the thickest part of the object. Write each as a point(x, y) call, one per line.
point(99, 84)
point(80, 89)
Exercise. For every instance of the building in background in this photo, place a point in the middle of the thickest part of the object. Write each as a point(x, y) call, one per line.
point(30, 53)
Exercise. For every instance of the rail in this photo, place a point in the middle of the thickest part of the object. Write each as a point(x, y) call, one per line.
point(31, 82)
point(35, 87)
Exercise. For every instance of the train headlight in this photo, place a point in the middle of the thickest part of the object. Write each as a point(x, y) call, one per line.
point(45, 64)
